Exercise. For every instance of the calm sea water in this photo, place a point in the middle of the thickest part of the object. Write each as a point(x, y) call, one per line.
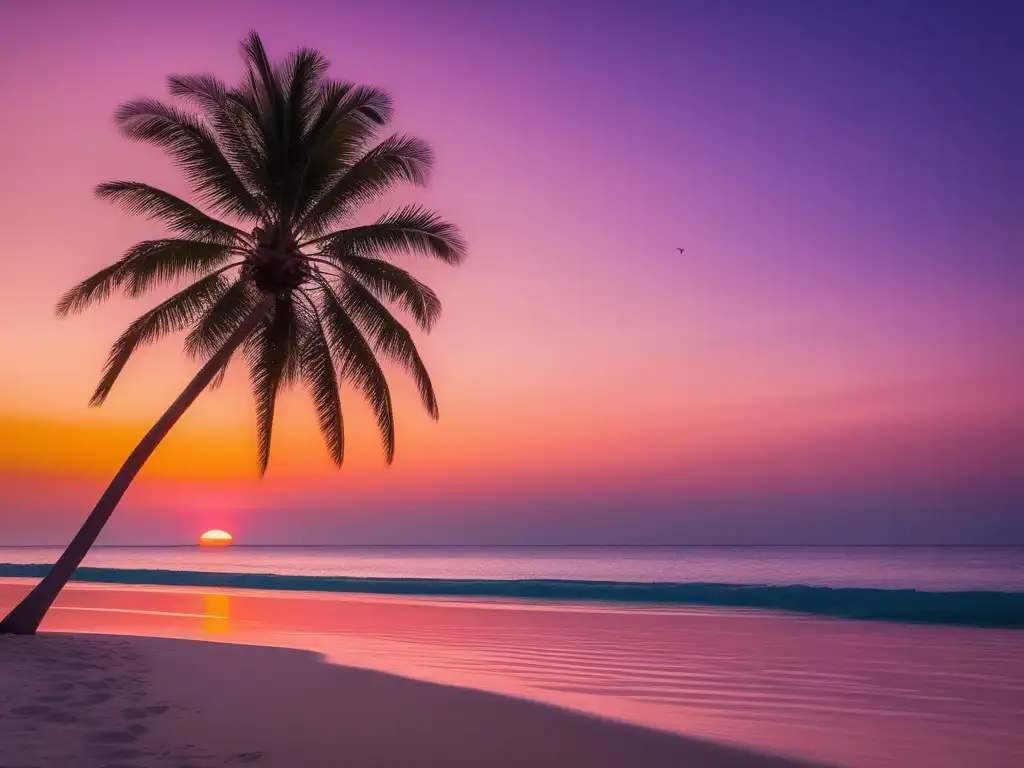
point(966, 586)
point(868, 694)
point(923, 568)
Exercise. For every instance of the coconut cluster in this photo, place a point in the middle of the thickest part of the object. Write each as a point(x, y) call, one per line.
point(276, 265)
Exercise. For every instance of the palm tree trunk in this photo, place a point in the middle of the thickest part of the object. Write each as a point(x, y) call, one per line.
point(26, 616)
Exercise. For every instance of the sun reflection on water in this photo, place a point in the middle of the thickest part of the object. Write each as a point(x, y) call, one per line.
point(218, 613)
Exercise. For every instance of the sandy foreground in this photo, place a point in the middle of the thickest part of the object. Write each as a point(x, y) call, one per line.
point(118, 702)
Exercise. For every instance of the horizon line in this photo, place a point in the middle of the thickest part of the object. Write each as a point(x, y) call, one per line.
point(535, 546)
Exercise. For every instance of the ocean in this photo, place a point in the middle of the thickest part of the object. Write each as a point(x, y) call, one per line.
point(753, 646)
point(971, 586)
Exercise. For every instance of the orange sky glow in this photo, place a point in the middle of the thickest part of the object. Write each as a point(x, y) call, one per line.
point(845, 324)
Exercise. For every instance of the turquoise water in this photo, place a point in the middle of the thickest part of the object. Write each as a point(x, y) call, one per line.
point(970, 586)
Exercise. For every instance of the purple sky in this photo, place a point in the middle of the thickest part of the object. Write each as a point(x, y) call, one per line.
point(838, 356)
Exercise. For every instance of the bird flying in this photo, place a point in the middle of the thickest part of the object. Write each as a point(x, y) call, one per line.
point(679, 249)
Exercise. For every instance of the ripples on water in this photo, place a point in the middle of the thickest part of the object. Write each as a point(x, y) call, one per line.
point(847, 693)
point(864, 694)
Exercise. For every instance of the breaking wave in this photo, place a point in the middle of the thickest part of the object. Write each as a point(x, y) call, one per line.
point(975, 609)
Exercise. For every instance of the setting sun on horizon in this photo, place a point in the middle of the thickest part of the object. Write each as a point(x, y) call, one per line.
point(215, 538)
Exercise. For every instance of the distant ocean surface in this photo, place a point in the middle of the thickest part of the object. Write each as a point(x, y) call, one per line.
point(676, 638)
point(971, 586)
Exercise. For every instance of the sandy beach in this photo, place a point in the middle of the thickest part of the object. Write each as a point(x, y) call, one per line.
point(385, 678)
point(117, 701)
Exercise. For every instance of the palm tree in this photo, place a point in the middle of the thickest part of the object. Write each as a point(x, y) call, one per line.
point(278, 273)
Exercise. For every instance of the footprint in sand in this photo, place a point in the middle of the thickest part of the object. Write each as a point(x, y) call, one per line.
point(31, 710)
point(157, 709)
point(56, 699)
point(111, 737)
point(198, 761)
point(96, 685)
point(56, 716)
point(247, 757)
point(120, 754)
point(134, 713)
point(79, 666)
point(138, 729)
point(95, 698)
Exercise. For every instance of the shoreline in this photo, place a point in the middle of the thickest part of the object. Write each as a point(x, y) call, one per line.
point(773, 683)
point(85, 699)
point(983, 609)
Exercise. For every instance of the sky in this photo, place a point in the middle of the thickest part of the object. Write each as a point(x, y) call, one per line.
point(837, 356)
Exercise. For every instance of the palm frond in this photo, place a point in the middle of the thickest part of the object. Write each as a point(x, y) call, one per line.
point(396, 159)
point(346, 104)
point(411, 229)
point(317, 370)
point(390, 337)
point(339, 125)
point(90, 291)
point(152, 262)
point(144, 265)
point(342, 125)
point(357, 364)
point(392, 283)
point(180, 217)
point(236, 129)
point(262, 77)
point(195, 151)
point(170, 316)
point(218, 377)
point(271, 352)
point(303, 76)
point(265, 100)
point(221, 320)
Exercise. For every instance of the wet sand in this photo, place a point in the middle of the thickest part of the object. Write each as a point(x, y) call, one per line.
point(117, 701)
point(849, 693)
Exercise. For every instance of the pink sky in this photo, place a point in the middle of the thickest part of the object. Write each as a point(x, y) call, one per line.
point(844, 325)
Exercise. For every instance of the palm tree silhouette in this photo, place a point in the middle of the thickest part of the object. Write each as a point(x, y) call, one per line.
point(290, 154)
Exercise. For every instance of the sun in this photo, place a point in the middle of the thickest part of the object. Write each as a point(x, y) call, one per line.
point(215, 538)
